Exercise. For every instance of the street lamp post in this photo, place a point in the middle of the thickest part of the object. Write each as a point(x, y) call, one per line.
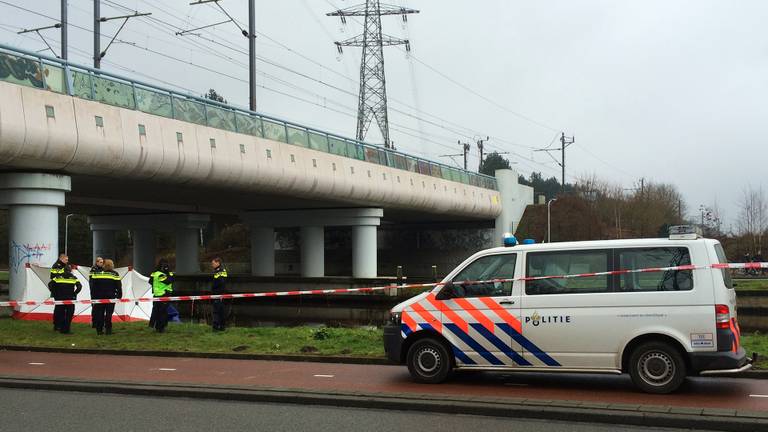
point(66, 232)
point(549, 231)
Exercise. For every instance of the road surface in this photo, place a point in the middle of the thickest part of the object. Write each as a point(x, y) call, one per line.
point(71, 411)
point(697, 393)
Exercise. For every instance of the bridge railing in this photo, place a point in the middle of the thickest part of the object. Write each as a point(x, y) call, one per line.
point(35, 70)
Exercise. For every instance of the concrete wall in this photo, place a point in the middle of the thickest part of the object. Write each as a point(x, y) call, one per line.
point(71, 142)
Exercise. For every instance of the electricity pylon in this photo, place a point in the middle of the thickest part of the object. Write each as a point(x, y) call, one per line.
point(372, 100)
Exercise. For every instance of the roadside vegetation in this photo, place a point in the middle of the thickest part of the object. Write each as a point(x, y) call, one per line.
point(365, 342)
point(751, 284)
point(198, 338)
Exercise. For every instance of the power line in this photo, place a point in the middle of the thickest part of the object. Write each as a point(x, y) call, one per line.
point(152, 18)
point(477, 94)
point(469, 134)
point(346, 113)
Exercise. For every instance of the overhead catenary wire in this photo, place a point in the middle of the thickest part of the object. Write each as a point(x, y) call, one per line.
point(442, 126)
point(468, 132)
point(458, 129)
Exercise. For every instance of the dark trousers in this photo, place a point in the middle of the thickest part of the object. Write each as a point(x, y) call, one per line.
point(62, 317)
point(102, 316)
point(219, 314)
point(160, 315)
point(58, 314)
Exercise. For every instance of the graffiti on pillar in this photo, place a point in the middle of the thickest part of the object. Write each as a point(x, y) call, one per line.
point(22, 254)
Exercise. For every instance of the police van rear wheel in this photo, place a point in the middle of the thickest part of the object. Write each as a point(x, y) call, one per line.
point(429, 361)
point(657, 367)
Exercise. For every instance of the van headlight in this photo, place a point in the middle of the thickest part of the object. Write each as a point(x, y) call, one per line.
point(394, 317)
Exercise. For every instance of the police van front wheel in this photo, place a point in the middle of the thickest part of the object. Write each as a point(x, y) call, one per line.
point(657, 367)
point(429, 361)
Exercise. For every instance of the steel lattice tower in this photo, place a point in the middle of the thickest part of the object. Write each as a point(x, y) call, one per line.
point(372, 100)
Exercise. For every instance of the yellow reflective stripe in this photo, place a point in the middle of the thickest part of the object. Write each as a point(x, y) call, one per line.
point(220, 274)
point(57, 271)
point(104, 276)
point(65, 280)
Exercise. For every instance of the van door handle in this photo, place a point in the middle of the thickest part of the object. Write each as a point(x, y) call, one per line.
point(507, 302)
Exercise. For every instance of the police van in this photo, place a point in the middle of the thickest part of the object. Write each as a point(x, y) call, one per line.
point(658, 326)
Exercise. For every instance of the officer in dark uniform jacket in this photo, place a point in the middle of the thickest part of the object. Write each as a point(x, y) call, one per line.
point(98, 268)
point(63, 286)
point(105, 284)
point(219, 286)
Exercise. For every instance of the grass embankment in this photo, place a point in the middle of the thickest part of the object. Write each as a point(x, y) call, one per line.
point(758, 343)
point(751, 284)
point(198, 338)
point(3, 276)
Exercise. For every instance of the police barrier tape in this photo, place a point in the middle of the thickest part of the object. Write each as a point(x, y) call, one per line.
point(16, 303)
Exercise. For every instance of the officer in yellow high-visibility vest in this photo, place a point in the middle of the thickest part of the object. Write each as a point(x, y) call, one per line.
point(162, 285)
point(219, 286)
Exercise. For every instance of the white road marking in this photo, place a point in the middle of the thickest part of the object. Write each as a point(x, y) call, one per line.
point(167, 369)
point(758, 396)
point(324, 376)
point(36, 364)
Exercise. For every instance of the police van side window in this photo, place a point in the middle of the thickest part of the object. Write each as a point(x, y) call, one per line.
point(723, 260)
point(639, 258)
point(484, 269)
point(565, 263)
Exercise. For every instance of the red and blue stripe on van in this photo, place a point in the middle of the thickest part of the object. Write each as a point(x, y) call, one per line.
point(474, 336)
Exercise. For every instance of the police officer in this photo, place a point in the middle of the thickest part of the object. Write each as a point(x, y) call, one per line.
point(162, 285)
point(219, 286)
point(97, 269)
point(105, 284)
point(63, 286)
point(56, 270)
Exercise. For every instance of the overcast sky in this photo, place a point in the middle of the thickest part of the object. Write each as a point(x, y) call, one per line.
point(668, 90)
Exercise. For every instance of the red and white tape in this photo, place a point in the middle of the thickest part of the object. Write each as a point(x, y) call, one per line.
point(14, 303)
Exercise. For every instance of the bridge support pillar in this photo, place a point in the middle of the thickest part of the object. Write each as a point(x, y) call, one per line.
point(313, 222)
point(262, 251)
point(32, 200)
point(364, 251)
point(143, 250)
point(188, 228)
point(187, 250)
point(312, 251)
point(103, 243)
point(514, 198)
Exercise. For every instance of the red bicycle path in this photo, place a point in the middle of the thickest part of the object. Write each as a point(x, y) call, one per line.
point(696, 393)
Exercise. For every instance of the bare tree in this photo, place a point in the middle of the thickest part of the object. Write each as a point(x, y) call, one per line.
point(753, 216)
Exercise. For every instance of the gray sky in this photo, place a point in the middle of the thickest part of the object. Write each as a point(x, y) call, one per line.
point(669, 90)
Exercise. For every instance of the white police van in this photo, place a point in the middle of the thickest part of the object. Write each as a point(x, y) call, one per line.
point(657, 326)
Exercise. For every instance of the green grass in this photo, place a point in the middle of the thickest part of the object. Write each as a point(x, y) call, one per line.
point(3, 276)
point(751, 284)
point(359, 342)
point(756, 342)
point(199, 338)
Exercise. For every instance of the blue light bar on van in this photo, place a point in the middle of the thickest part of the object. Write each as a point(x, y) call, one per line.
point(509, 240)
point(529, 241)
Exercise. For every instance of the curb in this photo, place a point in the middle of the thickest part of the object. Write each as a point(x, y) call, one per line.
point(751, 374)
point(571, 411)
point(228, 356)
